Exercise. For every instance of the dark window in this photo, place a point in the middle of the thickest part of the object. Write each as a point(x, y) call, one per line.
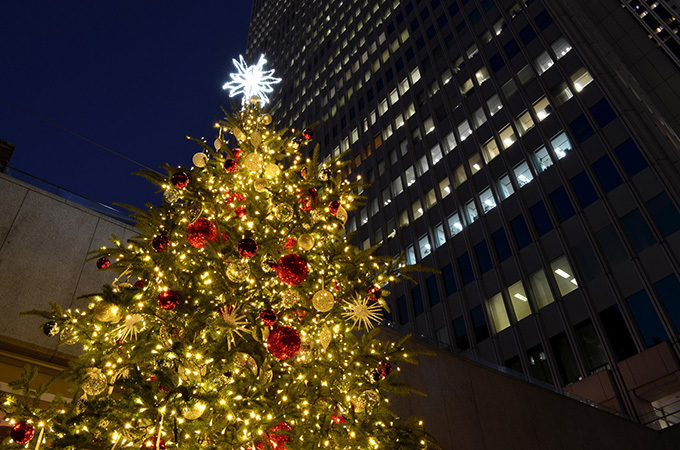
point(420, 43)
point(390, 28)
point(496, 62)
point(561, 202)
point(465, 268)
point(424, 13)
point(454, 8)
point(369, 94)
point(603, 112)
point(400, 17)
point(585, 192)
point(637, 230)
point(462, 340)
point(449, 279)
point(617, 332)
point(389, 75)
point(539, 364)
point(646, 318)
point(502, 245)
point(409, 8)
point(566, 363)
point(543, 19)
point(664, 213)
point(527, 34)
point(521, 232)
point(475, 16)
point(433, 290)
point(399, 64)
point(431, 32)
point(581, 128)
point(410, 54)
point(417, 297)
point(488, 4)
point(611, 244)
point(594, 353)
point(442, 20)
point(483, 257)
point(460, 26)
point(587, 260)
point(479, 322)
point(403, 311)
point(630, 157)
point(511, 48)
point(606, 173)
point(669, 293)
point(380, 84)
point(541, 218)
point(414, 25)
point(515, 364)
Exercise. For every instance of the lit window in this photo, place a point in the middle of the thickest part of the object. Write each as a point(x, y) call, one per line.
point(542, 108)
point(403, 219)
point(561, 145)
point(410, 255)
point(397, 187)
point(410, 176)
point(543, 62)
point(399, 121)
point(561, 47)
point(387, 132)
point(355, 135)
point(394, 96)
point(498, 26)
point(444, 187)
point(482, 75)
point(417, 209)
point(475, 162)
point(523, 174)
point(472, 51)
point(466, 86)
point(487, 200)
point(562, 93)
point(505, 186)
point(471, 211)
point(373, 207)
point(429, 125)
point(436, 154)
point(459, 176)
point(464, 130)
point(386, 198)
point(499, 316)
point(439, 235)
point(564, 275)
point(364, 216)
point(494, 104)
point(490, 150)
point(581, 78)
point(542, 159)
point(507, 136)
point(430, 198)
point(424, 246)
point(446, 76)
point(403, 86)
point(415, 75)
point(519, 300)
point(478, 117)
point(450, 142)
point(525, 121)
point(382, 108)
point(455, 225)
point(541, 289)
point(410, 110)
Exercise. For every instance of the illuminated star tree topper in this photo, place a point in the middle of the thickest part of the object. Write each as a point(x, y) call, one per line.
point(251, 80)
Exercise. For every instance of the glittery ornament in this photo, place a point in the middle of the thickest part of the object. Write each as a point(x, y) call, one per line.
point(296, 142)
point(305, 242)
point(194, 211)
point(200, 159)
point(22, 432)
point(266, 119)
point(325, 174)
point(193, 410)
point(275, 438)
point(374, 293)
point(338, 418)
point(240, 135)
point(308, 134)
point(267, 264)
point(95, 383)
point(272, 170)
point(342, 215)
point(106, 312)
point(306, 354)
point(236, 153)
point(247, 248)
point(150, 443)
point(230, 165)
point(325, 337)
point(168, 300)
point(309, 200)
point(180, 180)
point(217, 144)
point(292, 269)
point(103, 263)
point(139, 284)
point(256, 138)
point(51, 328)
point(160, 242)
point(289, 298)
point(260, 185)
point(290, 243)
point(323, 301)
point(283, 212)
point(200, 231)
point(171, 195)
point(245, 361)
point(333, 207)
point(240, 212)
point(366, 402)
point(384, 368)
point(283, 342)
point(253, 162)
point(238, 272)
point(268, 317)
point(304, 173)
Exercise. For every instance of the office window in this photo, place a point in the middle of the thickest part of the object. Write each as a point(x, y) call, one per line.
point(505, 186)
point(581, 78)
point(466, 86)
point(439, 235)
point(637, 230)
point(519, 300)
point(502, 245)
point(525, 121)
point(520, 231)
point(581, 128)
point(430, 198)
point(373, 207)
point(664, 214)
point(464, 130)
point(603, 112)
point(478, 117)
point(646, 319)
point(611, 244)
point(417, 298)
point(523, 174)
point(539, 364)
point(606, 173)
point(560, 143)
point(433, 290)
point(410, 176)
point(561, 203)
point(507, 136)
point(436, 154)
point(509, 89)
point(496, 62)
point(541, 288)
point(471, 211)
point(490, 150)
point(499, 315)
point(483, 257)
point(487, 200)
point(479, 323)
point(587, 260)
point(475, 162)
point(462, 340)
point(590, 344)
point(403, 311)
point(511, 48)
point(482, 75)
point(561, 47)
point(630, 157)
point(455, 225)
point(444, 187)
point(619, 336)
point(543, 19)
point(668, 290)
point(424, 246)
point(543, 62)
point(364, 216)
point(465, 268)
point(542, 159)
point(541, 218)
point(422, 166)
point(564, 275)
point(428, 124)
point(410, 255)
point(494, 104)
point(449, 279)
point(417, 209)
point(397, 186)
point(564, 355)
point(562, 93)
point(386, 198)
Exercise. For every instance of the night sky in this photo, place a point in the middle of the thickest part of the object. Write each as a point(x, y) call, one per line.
point(133, 76)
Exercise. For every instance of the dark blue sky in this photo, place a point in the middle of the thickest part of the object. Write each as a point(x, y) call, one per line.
point(134, 76)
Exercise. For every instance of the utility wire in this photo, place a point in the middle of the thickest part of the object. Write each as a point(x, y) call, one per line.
point(75, 134)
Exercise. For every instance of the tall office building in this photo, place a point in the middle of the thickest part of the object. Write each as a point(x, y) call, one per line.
point(527, 149)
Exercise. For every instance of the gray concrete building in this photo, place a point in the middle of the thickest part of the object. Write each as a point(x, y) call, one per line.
point(529, 151)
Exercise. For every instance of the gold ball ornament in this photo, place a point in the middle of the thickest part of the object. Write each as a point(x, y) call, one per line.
point(260, 185)
point(342, 215)
point(238, 272)
point(256, 138)
point(266, 119)
point(200, 159)
point(193, 411)
point(305, 242)
point(253, 162)
point(272, 170)
point(94, 383)
point(323, 301)
point(106, 312)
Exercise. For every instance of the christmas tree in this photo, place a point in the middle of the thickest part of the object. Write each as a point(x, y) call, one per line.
point(240, 316)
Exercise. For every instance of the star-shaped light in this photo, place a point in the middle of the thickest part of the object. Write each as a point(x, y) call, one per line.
point(251, 80)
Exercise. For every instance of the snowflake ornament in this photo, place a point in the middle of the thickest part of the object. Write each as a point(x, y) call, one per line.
point(236, 323)
point(251, 81)
point(360, 312)
point(133, 324)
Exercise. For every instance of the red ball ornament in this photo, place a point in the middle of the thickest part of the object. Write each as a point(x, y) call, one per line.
point(230, 165)
point(338, 418)
point(292, 269)
point(22, 432)
point(304, 172)
point(290, 243)
point(180, 180)
point(236, 153)
point(333, 207)
point(139, 284)
point(309, 201)
point(384, 369)
point(247, 248)
point(200, 231)
point(150, 443)
point(284, 342)
point(268, 317)
point(160, 242)
point(103, 263)
point(308, 134)
point(168, 300)
point(374, 293)
point(240, 212)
